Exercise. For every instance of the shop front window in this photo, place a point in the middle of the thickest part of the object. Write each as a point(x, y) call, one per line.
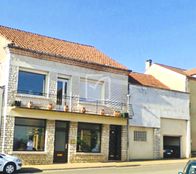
point(29, 134)
point(89, 138)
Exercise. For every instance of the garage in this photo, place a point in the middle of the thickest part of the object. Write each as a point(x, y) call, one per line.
point(171, 147)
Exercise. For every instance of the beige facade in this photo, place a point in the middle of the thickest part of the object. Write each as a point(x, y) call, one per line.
point(141, 149)
point(192, 90)
point(176, 128)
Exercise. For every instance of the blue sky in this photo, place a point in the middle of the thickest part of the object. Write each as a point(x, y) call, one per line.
point(129, 31)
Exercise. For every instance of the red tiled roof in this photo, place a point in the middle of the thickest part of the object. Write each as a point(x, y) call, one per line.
point(191, 72)
point(145, 80)
point(53, 46)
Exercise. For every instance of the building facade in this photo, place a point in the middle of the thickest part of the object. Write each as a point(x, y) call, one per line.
point(63, 101)
point(178, 79)
point(161, 121)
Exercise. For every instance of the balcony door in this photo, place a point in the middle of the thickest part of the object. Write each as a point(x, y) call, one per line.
point(62, 90)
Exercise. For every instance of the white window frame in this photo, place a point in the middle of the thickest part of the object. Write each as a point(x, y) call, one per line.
point(46, 86)
point(94, 81)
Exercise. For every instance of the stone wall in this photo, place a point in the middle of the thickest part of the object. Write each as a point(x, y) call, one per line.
point(157, 144)
point(124, 149)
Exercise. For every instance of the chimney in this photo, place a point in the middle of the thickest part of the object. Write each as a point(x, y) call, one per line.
point(148, 64)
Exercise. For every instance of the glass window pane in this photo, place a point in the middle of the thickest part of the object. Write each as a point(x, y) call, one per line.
point(31, 83)
point(28, 138)
point(30, 122)
point(91, 90)
point(60, 141)
point(89, 138)
point(59, 92)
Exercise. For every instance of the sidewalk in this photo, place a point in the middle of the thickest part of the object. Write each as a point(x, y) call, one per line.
point(104, 164)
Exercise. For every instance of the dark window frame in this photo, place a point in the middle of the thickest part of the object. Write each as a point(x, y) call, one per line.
point(43, 127)
point(100, 130)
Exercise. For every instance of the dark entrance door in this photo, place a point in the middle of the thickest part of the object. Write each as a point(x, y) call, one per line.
point(115, 143)
point(61, 142)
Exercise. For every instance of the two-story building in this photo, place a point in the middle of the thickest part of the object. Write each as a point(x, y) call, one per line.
point(181, 80)
point(63, 101)
point(160, 127)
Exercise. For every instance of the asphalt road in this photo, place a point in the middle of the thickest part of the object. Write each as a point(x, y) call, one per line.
point(154, 169)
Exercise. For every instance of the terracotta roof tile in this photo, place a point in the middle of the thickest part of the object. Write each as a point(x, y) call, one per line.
point(145, 80)
point(191, 72)
point(53, 46)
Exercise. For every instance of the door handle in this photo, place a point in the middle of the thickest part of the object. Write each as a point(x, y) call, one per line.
point(66, 146)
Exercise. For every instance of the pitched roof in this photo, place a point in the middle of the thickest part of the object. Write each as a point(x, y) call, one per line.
point(53, 46)
point(185, 72)
point(175, 69)
point(191, 72)
point(145, 80)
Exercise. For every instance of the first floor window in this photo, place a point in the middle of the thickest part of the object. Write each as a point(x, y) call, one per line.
point(29, 134)
point(92, 90)
point(31, 83)
point(89, 138)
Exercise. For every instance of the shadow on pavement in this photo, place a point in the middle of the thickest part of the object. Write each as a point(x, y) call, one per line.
point(30, 170)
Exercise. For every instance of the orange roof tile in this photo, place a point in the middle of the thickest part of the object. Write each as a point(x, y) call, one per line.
point(53, 46)
point(191, 72)
point(145, 80)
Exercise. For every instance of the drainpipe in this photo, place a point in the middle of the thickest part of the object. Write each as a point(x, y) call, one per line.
point(130, 116)
point(1, 104)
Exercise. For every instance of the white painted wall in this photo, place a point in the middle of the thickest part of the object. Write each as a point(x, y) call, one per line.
point(140, 149)
point(151, 104)
point(115, 85)
point(172, 79)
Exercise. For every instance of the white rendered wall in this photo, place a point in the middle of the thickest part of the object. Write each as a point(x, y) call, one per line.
point(151, 104)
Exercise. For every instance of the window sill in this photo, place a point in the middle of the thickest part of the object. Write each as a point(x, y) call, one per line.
point(29, 152)
point(32, 96)
point(89, 153)
point(91, 103)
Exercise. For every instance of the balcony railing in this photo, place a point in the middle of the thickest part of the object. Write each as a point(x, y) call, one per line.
point(71, 104)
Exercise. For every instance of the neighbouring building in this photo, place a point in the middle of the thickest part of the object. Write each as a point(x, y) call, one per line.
point(181, 80)
point(160, 127)
point(63, 101)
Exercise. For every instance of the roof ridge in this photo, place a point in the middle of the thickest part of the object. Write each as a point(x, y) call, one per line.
point(140, 73)
point(50, 37)
point(171, 66)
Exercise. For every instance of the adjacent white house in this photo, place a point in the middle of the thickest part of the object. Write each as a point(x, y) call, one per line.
point(161, 119)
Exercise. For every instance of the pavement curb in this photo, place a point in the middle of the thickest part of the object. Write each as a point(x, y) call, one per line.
point(89, 165)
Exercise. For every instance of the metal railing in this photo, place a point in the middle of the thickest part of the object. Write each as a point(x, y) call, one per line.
point(71, 104)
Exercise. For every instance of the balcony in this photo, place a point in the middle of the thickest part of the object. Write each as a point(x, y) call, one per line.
point(73, 104)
